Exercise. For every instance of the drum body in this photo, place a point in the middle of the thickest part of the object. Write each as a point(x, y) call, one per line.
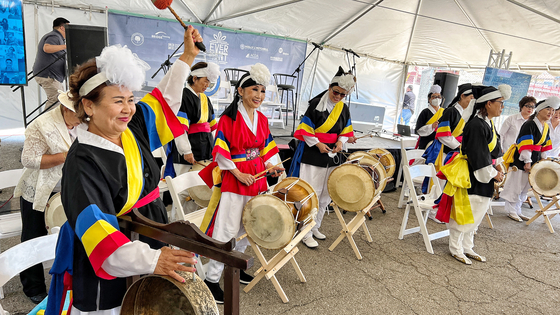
point(386, 159)
point(54, 213)
point(269, 221)
point(201, 194)
point(374, 167)
point(544, 178)
point(163, 295)
point(297, 193)
point(351, 187)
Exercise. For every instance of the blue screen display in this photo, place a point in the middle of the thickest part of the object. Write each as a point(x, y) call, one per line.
point(519, 83)
point(12, 44)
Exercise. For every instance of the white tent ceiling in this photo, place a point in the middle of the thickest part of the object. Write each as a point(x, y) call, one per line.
point(453, 33)
point(456, 33)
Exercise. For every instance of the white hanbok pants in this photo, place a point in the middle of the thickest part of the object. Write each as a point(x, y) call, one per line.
point(461, 237)
point(228, 225)
point(515, 191)
point(317, 177)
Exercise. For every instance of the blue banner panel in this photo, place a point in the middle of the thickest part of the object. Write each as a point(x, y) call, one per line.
point(153, 40)
point(12, 44)
point(519, 83)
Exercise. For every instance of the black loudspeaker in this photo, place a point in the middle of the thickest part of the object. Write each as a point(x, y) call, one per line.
point(448, 83)
point(83, 42)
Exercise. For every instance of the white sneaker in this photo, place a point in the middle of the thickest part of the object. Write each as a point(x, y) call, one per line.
point(318, 235)
point(310, 242)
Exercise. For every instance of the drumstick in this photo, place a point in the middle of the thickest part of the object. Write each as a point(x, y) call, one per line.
point(360, 137)
point(268, 169)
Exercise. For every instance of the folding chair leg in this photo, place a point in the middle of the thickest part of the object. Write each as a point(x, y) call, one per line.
point(401, 198)
point(424, 231)
point(489, 221)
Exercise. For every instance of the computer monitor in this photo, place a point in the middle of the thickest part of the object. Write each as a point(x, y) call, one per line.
point(403, 130)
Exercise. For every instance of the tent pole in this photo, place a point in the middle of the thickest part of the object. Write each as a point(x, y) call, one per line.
point(212, 11)
point(191, 11)
point(526, 7)
point(347, 24)
point(474, 25)
point(233, 16)
point(412, 31)
point(400, 99)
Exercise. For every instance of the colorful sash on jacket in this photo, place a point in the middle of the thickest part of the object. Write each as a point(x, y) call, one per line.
point(307, 128)
point(212, 175)
point(162, 124)
point(434, 153)
point(98, 231)
point(526, 143)
point(455, 202)
point(203, 125)
point(431, 121)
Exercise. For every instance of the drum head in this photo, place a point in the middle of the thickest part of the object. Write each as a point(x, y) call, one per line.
point(200, 194)
point(544, 178)
point(154, 294)
point(386, 159)
point(367, 159)
point(269, 222)
point(351, 187)
point(297, 193)
point(54, 213)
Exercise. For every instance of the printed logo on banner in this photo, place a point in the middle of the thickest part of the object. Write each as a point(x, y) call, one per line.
point(276, 58)
point(161, 35)
point(280, 50)
point(252, 56)
point(219, 47)
point(137, 39)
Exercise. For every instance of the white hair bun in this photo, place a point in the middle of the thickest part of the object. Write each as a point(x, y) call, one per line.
point(505, 90)
point(122, 67)
point(260, 74)
point(435, 89)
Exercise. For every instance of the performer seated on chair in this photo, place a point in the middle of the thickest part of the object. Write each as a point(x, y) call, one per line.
point(324, 129)
point(449, 133)
point(243, 147)
point(427, 122)
point(109, 171)
point(471, 175)
point(533, 142)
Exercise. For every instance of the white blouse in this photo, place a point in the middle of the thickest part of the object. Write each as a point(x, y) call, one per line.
point(510, 130)
point(555, 139)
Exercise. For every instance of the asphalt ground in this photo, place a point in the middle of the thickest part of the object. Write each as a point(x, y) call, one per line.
point(395, 276)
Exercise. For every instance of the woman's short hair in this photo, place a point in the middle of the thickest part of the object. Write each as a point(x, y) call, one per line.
point(83, 73)
point(525, 100)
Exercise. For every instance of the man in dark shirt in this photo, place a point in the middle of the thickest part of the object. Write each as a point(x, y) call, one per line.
point(51, 47)
point(408, 106)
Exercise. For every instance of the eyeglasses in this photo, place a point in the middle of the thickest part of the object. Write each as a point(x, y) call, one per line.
point(436, 97)
point(529, 106)
point(501, 102)
point(337, 93)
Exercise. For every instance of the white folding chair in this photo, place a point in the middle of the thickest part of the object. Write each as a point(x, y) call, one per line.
point(421, 204)
point(177, 185)
point(10, 224)
point(406, 157)
point(160, 153)
point(25, 255)
point(405, 143)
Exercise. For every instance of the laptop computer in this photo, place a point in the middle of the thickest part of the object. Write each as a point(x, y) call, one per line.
point(403, 130)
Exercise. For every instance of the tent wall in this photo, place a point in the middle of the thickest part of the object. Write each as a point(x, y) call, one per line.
point(378, 83)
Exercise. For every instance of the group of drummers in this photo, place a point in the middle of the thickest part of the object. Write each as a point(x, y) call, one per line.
point(470, 156)
point(104, 168)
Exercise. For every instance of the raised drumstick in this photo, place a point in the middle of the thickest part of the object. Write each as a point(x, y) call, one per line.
point(166, 4)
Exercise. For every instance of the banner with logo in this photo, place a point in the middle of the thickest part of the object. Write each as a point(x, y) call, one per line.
point(154, 39)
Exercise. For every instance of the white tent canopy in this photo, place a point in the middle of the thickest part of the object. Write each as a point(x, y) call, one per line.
point(388, 34)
